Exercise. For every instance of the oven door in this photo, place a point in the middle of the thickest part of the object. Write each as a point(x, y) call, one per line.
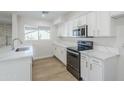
point(73, 63)
point(73, 59)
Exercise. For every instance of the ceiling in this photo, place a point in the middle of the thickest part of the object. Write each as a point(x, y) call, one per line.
point(6, 16)
point(52, 15)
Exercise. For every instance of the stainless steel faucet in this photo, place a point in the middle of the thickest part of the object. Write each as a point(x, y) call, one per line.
point(13, 47)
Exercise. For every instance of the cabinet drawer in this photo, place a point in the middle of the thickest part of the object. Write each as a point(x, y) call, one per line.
point(84, 56)
point(96, 61)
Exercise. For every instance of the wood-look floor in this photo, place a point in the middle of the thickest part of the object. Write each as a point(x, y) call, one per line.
point(50, 69)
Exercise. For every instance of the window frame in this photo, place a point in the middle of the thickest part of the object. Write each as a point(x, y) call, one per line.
point(38, 30)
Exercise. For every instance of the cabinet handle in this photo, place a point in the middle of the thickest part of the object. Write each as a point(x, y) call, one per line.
point(86, 64)
point(90, 66)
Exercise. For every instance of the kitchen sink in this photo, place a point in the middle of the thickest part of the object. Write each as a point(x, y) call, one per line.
point(22, 49)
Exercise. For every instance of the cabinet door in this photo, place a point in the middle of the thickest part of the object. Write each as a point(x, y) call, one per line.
point(95, 71)
point(59, 33)
point(91, 22)
point(116, 13)
point(83, 20)
point(84, 68)
point(103, 23)
point(63, 33)
point(63, 55)
point(70, 28)
point(65, 29)
point(56, 51)
point(75, 23)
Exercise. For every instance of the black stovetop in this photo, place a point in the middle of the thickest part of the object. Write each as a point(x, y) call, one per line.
point(82, 45)
point(77, 49)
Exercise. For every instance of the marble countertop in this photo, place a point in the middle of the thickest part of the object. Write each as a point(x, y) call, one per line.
point(7, 54)
point(102, 55)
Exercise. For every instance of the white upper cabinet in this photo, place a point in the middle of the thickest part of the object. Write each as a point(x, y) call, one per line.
point(99, 24)
point(91, 22)
point(103, 24)
point(83, 20)
point(79, 21)
point(61, 30)
point(65, 29)
point(75, 23)
point(116, 13)
point(70, 28)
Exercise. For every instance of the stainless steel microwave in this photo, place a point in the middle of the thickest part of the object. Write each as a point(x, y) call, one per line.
point(81, 31)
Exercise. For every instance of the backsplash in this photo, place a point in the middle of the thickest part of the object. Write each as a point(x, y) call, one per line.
point(5, 34)
point(109, 41)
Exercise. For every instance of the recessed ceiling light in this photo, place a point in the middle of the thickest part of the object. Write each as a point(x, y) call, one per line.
point(44, 13)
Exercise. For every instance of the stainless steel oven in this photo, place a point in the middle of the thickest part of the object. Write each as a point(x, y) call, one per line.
point(73, 57)
point(73, 63)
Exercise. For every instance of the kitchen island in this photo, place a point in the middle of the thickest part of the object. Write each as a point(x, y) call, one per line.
point(16, 65)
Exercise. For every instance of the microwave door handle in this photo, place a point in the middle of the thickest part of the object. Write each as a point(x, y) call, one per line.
point(86, 30)
point(80, 32)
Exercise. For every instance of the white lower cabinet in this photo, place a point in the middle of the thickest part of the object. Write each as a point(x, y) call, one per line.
point(19, 69)
point(84, 67)
point(94, 69)
point(60, 53)
point(91, 70)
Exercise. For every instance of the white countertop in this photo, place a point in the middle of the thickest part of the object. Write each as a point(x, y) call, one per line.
point(100, 54)
point(7, 54)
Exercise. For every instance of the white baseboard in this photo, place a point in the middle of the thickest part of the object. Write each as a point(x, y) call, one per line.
point(42, 57)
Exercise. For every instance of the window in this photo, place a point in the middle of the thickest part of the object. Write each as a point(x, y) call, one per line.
point(36, 33)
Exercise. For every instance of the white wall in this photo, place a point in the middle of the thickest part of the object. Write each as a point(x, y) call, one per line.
point(14, 26)
point(120, 44)
point(42, 48)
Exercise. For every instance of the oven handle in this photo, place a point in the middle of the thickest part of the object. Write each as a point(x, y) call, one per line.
point(72, 52)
